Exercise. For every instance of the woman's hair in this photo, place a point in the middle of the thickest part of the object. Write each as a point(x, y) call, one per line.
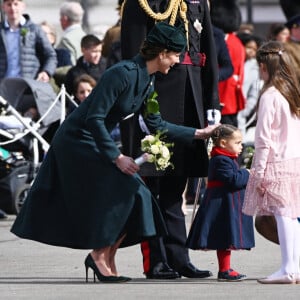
point(149, 51)
point(83, 78)
point(224, 131)
point(50, 29)
point(281, 72)
point(274, 30)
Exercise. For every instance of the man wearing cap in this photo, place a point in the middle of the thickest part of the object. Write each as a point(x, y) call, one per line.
point(293, 45)
point(188, 95)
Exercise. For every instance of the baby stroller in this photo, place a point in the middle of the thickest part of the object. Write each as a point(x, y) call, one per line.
point(22, 144)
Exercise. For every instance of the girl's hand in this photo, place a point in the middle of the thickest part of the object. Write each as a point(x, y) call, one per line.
point(260, 189)
point(206, 132)
point(126, 164)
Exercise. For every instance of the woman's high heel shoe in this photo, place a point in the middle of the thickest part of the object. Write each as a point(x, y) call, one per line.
point(89, 263)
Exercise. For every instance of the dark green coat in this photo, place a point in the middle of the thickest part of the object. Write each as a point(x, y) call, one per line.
point(80, 199)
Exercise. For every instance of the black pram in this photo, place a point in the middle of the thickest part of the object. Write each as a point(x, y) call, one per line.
point(22, 144)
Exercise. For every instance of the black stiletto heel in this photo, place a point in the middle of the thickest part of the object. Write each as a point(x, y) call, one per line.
point(89, 263)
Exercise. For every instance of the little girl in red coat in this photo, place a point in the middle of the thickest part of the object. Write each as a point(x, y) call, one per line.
point(219, 223)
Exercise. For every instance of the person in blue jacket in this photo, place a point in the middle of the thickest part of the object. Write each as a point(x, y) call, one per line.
point(24, 47)
point(219, 223)
point(87, 194)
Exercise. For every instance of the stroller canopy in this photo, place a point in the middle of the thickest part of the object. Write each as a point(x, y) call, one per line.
point(12, 90)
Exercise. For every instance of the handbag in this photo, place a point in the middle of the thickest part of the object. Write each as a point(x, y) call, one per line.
point(267, 227)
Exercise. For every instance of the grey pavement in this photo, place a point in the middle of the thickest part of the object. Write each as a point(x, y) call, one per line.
point(31, 270)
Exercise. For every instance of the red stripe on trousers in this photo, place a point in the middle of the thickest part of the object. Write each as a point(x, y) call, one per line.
point(146, 256)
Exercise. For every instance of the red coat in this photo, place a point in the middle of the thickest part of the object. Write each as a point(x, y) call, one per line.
point(230, 90)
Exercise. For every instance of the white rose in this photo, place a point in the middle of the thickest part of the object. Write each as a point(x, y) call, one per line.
point(150, 158)
point(149, 138)
point(154, 149)
point(161, 162)
point(165, 152)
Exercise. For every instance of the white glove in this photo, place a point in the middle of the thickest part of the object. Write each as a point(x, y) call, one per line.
point(213, 116)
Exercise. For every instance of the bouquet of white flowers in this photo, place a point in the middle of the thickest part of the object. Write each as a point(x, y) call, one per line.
point(156, 151)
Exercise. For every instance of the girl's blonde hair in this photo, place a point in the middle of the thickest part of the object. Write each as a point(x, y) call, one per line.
point(281, 72)
point(224, 131)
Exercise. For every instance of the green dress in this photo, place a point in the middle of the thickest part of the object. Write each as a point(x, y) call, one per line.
point(80, 199)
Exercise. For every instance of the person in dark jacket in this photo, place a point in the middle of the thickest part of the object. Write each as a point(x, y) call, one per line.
point(85, 174)
point(24, 48)
point(188, 95)
point(91, 62)
point(219, 223)
point(223, 57)
point(225, 71)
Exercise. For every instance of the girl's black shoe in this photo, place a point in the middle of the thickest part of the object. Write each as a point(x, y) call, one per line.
point(225, 276)
point(89, 263)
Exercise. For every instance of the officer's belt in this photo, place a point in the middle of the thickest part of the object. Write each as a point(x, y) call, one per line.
point(188, 61)
point(214, 184)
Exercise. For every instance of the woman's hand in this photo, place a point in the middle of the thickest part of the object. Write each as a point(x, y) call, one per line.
point(206, 132)
point(126, 164)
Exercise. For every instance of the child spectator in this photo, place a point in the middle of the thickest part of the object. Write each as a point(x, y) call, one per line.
point(82, 87)
point(219, 223)
point(251, 85)
point(91, 62)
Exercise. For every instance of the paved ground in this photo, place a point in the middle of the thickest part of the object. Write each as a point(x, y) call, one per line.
point(30, 270)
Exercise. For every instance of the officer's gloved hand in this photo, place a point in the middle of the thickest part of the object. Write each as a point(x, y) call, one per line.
point(213, 116)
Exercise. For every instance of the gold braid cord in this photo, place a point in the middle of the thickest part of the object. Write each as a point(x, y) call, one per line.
point(171, 12)
point(122, 8)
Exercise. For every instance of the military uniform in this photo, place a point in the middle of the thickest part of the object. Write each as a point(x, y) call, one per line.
point(184, 95)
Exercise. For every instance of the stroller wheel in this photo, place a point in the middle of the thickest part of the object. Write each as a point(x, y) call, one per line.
point(20, 197)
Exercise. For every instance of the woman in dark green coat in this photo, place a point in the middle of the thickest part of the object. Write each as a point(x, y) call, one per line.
point(87, 194)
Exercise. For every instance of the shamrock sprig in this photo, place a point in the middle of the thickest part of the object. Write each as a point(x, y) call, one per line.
point(152, 106)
